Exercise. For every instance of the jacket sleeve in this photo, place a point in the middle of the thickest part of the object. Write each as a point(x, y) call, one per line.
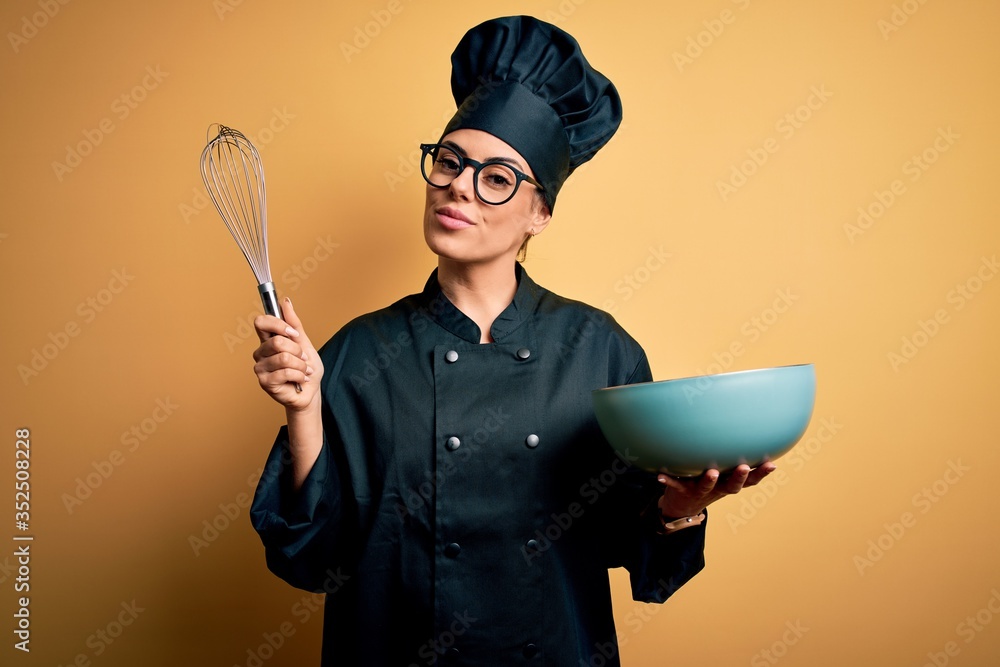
point(299, 530)
point(658, 564)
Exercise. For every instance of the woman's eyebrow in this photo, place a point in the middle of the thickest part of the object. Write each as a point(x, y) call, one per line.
point(461, 151)
point(458, 149)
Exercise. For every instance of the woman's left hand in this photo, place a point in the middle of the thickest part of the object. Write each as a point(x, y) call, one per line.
point(688, 496)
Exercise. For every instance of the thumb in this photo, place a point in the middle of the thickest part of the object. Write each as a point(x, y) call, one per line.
point(292, 319)
point(288, 314)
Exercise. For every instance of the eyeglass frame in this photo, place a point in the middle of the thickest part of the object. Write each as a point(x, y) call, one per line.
point(477, 166)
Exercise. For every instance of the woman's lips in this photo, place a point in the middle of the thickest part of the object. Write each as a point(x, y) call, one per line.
point(451, 218)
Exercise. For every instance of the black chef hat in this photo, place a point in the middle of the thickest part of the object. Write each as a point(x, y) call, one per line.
point(527, 83)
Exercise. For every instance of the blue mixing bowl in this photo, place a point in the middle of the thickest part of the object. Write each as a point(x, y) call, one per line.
point(687, 426)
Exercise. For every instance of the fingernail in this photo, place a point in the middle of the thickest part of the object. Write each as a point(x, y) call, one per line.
point(291, 332)
point(304, 357)
point(309, 370)
point(288, 301)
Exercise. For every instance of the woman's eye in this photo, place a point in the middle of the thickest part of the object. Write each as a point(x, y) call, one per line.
point(498, 178)
point(448, 163)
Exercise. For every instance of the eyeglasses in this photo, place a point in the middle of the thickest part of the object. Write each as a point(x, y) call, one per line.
point(495, 182)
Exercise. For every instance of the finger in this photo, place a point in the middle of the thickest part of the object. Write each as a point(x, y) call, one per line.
point(289, 315)
point(707, 481)
point(702, 485)
point(274, 380)
point(288, 312)
point(276, 345)
point(734, 481)
point(759, 473)
point(282, 361)
point(267, 326)
point(682, 484)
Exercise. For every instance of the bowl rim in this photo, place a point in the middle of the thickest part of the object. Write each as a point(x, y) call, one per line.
point(710, 375)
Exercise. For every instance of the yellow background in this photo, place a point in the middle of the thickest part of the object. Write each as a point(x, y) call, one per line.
point(337, 113)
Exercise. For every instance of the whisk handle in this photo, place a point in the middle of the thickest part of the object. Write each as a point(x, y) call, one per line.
point(269, 297)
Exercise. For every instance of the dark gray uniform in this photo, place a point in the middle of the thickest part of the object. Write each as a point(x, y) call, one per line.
point(465, 507)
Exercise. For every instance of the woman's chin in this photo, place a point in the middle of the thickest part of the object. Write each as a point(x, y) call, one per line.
point(446, 245)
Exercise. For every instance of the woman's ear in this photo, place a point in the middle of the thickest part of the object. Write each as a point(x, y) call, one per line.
point(541, 217)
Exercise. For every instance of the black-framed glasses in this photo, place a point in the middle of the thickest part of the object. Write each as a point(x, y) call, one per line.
point(495, 181)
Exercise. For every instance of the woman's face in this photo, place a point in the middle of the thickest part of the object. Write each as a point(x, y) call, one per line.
point(461, 227)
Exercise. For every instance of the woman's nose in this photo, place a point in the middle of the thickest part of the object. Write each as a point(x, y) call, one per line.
point(464, 184)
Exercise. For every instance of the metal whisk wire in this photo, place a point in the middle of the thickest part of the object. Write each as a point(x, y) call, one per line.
point(234, 178)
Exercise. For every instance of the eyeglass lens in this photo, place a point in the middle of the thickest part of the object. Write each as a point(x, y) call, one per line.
point(495, 182)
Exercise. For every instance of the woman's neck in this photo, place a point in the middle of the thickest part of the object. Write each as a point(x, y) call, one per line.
point(480, 291)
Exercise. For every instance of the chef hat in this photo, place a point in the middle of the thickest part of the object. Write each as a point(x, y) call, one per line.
point(527, 83)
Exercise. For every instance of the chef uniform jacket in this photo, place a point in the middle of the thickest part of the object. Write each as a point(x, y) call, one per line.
point(465, 507)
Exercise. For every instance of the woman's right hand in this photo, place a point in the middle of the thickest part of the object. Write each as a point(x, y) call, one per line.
point(287, 357)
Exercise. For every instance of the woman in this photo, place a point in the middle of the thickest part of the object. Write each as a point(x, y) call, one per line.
point(441, 475)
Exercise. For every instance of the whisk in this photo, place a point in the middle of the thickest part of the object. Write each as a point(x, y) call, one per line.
point(234, 177)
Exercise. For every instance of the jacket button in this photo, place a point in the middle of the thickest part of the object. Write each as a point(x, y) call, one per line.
point(531, 441)
point(451, 356)
point(452, 443)
point(452, 550)
point(523, 353)
point(531, 546)
point(530, 650)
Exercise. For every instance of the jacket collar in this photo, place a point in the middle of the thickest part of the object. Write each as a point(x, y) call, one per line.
point(454, 320)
